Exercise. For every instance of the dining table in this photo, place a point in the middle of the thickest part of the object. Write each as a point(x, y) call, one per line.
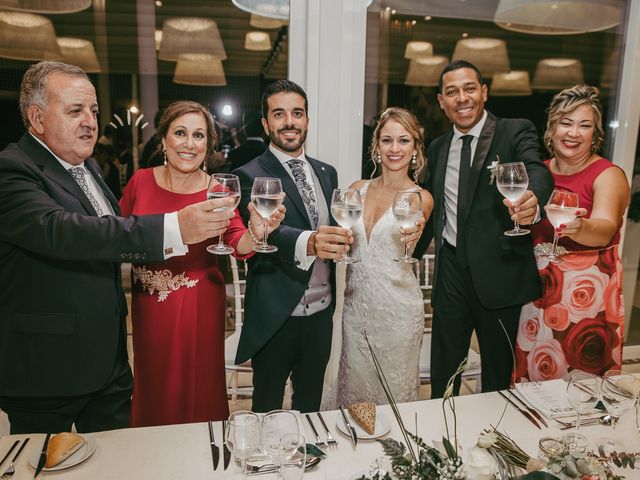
point(175, 452)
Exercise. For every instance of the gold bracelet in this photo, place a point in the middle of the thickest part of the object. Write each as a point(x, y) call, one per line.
point(253, 237)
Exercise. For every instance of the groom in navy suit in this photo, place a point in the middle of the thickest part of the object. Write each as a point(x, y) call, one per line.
point(290, 296)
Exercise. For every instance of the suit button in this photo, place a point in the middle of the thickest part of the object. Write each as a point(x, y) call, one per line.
point(297, 262)
point(306, 306)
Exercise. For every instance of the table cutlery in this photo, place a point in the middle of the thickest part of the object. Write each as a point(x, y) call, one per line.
point(352, 431)
point(330, 440)
point(13, 447)
point(601, 420)
point(215, 451)
point(11, 470)
point(319, 443)
point(226, 453)
point(43, 455)
point(271, 468)
point(522, 411)
point(531, 410)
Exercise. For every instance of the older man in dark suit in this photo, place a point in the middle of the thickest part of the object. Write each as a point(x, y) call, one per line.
point(482, 277)
point(63, 353)
point(290, 295)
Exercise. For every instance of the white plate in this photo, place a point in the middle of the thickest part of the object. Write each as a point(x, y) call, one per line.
point(84, 452)
point(382, 426)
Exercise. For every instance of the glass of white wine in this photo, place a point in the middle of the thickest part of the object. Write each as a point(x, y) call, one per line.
point(346, 208)
point(407, 209)
point(561, 209)
point(267, 196)
point(619, 392)
point(223, 185)
point(512, 181)
point(583, 393)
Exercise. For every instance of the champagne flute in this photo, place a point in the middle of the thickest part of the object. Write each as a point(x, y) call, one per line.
point(407, 209)
point(346, 208)
point(582, 393)
point(266, 195)
point(244, 432)
point(294, 456)
point(223, 185)
point(619, 394)
point(512, 181)
point(275, 425)
point(561, 209)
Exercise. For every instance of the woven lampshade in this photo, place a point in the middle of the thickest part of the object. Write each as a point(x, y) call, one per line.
point(557, 73)
point(45, 6)
point(80, 53)
point(258, 21)
point(266, 8)
point(511, 84)
point(26, 36)
point(199, 69)
point(258, 41)
point(417, 49)
point(558, 17)
point(425, 72)
point(488, 54)
point(190, 35)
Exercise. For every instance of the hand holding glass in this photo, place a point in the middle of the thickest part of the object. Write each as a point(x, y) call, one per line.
point(512, 181)
point(267, 196)
point(561, 209)
point(346, 208)
point(223, 185)
point(407, 210)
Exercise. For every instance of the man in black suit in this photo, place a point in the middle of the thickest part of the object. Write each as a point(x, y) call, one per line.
point(482, 277)
point(63, 357)
point(253, 146)
point(290, 296)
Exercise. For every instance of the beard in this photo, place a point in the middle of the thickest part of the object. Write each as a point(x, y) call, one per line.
point(286, 146)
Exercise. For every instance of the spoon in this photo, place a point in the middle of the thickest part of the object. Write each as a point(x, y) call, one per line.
point(601, 420)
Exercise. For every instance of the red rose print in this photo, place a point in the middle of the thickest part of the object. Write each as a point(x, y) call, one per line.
point(589, 343)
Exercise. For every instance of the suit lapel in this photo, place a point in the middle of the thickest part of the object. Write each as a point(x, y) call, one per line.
point(93, 167)
point(325, 180)
point(480, 157)
point(438, 181)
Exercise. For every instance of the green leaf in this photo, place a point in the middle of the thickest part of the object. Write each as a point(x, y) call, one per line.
point(451, 452)
point(314, 451)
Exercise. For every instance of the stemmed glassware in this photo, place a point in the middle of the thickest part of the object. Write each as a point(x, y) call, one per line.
point(223, 185)
point(266, 195)
point(512, 181)
point(243, 436)
point(619, 394)
point(583, 394)
point(561, 209)
point(294, 456)
point(346, 208)
point(407, 209)
point(275, 425)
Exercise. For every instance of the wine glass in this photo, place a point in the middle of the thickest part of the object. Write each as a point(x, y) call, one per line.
point(266, 195)
point(561, 209)
point(294, 456)
point(407, 209)
point(512, 181)
point(223, 185)
point(243, 436)
point(275, 425)
point(582, 393)
point(619, 394)
point(346, 208)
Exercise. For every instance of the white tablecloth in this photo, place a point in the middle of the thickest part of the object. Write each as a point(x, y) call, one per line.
point(182, 451)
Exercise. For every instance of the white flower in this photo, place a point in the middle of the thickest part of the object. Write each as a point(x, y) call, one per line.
point(493, 168)
point(486, 440)
point(480, 464)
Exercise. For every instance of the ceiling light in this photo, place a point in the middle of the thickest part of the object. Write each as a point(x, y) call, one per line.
point(488, 54)
point(45, 6)
point(425, 72)
point(557, 73)
point(26, 36)
point(266, 8)
point(199, 69)
point(417, 49)
point(190, 35)
point(258, 21)
point(511, 84)
point(79, 52)
point(257, 41)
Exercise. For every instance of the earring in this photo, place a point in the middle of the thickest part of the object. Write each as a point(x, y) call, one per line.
point(164, 155)
point(204, 166)
point(378, 158)
point(413, 159)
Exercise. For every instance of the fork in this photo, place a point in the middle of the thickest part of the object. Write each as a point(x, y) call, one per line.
point(11, 470)
point(319, 443)
point(330, 440)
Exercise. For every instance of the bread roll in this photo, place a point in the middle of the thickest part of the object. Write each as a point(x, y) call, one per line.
point(365, 414)
point(61, 447)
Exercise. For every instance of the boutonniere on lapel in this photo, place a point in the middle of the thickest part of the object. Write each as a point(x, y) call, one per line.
point(493, 168)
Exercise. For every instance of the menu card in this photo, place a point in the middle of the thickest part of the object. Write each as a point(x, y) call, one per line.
point(549, 398)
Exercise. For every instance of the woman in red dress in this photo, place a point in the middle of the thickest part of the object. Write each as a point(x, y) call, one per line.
point(578, 323)
point(178, 306)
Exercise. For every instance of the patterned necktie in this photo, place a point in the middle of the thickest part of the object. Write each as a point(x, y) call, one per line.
point(78, 174)
point(306, 192)
point(465, 166)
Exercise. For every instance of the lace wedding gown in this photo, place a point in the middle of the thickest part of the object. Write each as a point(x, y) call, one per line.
point(384, 298)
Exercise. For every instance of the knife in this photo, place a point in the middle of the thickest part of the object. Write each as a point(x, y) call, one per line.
point(522, 411)
point(226, 453)
point(43, 455)
point(531, 410)
point(352, 431)
point(215, 451)
point(13, 447)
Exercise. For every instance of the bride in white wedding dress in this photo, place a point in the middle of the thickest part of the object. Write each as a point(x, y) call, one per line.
point(382, 296)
